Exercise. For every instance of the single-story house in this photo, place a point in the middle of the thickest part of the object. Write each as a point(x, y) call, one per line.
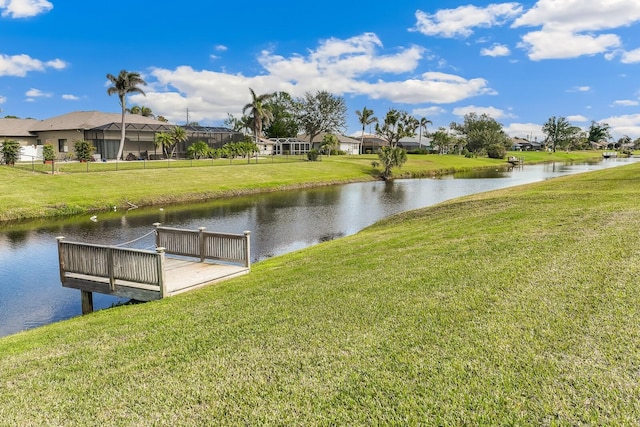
point(520, 144)
point(102, 130)
point(346, 144)
point(372, 143)
point(415, 143)
point(18, 130)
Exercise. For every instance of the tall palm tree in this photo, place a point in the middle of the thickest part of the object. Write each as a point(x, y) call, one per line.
point(260, 115)
point(365, 118)
point(423, 124)
point(124, 84)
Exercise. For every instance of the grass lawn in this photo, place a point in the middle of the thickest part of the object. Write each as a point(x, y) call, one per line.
point(27, 194)
point(514, 307)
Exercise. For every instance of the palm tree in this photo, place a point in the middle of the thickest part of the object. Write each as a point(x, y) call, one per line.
point(143, 111)
point(365, 118)
point(423, 124)
point(178, 134)
point(163, 140)
point(125, 83)
point(260, 115)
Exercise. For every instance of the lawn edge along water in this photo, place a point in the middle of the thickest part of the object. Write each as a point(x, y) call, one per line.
point(512, 307)
point(27, 195)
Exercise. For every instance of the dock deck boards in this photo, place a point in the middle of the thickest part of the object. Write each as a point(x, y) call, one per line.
point(182, 275)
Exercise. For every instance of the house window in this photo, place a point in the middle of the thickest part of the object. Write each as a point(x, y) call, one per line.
point(62, 146)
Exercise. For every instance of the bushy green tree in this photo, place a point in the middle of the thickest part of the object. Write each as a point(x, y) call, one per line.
point(496, 151)
point(480, 132)
point(10, 152)
point(283, 124)
point(559, 132)
point(321, 112)
point(83, 150)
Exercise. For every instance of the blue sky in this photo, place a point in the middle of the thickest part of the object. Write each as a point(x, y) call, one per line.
point(520, 62)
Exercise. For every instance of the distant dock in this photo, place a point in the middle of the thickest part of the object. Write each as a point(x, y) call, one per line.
point(182, 261)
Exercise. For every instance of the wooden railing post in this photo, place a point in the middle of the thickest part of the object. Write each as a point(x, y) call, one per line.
point(61, 258)
point(161, 276)
point(247, 246)
point(201, 242)
point(112, 279)
point(157, 225)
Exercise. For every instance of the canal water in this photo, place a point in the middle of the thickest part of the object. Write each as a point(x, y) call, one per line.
point(31, 294)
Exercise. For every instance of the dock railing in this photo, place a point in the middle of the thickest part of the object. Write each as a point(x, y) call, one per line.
point(202, 244)
point(141, 274)
point(134, 267)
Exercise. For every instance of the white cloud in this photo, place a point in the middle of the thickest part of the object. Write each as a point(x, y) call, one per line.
point(624, 125)
point(626, 103)
point(577, 118)
point(461, 21)
point(428, 112)
point(579, 89)
point(569, 27)
point(548, 44)
point(221, 48)
point(3, 99)
point(24, 8)
point(350, 67)
point(37, 93)
point(496, 50)
point(631, 57)
point(529, 131)
point(69, 97)
point(580, 15)
point(493, 112)
point(20, 65)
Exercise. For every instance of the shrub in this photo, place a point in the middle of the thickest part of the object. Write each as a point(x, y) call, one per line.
point(496, 151)
point(83, 150)
point(10, 152)
point(312, 155)
point(198, 150)
point(48, 153)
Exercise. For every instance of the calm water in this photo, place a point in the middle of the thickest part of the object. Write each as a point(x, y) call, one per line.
point(31, 294)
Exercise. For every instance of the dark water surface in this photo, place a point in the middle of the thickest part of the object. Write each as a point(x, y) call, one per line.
point(31, 294)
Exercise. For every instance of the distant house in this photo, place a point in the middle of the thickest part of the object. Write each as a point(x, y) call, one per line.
point(372, 143)
point(18, 130)
point(520, 144)
point(347, 144)
point(284, 146)
point(102, 130)
point(415, 143)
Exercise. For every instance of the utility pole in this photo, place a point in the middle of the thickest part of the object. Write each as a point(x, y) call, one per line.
point(187, 124)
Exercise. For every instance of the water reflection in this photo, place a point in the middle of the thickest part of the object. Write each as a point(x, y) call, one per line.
point(30, 289)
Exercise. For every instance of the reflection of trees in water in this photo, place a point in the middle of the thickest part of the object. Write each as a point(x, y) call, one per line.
point(331, 236)
point(16, 238)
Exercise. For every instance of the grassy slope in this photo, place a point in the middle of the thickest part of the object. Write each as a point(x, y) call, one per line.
point(24, 194)
point(511, 307)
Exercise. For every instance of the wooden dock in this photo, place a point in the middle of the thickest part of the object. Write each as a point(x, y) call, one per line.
point(182, 261)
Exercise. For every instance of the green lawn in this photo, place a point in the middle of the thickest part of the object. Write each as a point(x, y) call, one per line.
point(28, 194)
point(514, 307)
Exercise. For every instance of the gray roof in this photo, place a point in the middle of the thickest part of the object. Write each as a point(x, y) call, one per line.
point(16, 127)
point(86, 120)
